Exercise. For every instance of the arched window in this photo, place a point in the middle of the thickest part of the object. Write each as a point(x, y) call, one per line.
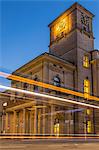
point(25, 86)
point(35, 86)
point(56, 81)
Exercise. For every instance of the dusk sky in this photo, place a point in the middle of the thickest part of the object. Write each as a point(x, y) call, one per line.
point(24, 28)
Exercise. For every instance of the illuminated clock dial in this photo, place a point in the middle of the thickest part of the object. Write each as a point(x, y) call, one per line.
point(61, 26)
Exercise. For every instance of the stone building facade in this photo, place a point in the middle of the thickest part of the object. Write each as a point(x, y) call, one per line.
point(71, 63)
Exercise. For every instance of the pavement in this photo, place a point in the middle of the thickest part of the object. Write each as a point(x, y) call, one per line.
point(48, 144)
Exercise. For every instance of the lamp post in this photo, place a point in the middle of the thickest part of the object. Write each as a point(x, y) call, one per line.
point(86, 118)
point(3, 115)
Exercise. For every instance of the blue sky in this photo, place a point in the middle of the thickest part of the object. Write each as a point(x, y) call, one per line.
point(24, 30)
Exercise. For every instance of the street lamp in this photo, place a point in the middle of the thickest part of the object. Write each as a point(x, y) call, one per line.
point(3, 114)
point(5, 104)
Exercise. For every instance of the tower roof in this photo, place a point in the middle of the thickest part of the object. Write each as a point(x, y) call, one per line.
point(74, 6)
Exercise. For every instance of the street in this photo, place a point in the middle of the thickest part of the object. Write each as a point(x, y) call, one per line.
point(47, 144)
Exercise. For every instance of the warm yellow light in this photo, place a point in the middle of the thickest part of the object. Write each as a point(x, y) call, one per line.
point(56, 129)
point(41, 84)
point(86, 88)
point(86, 95)
point(61, 27)
point(89, 126)
point(86, 61)
point(48, 96)
point(45, 85)
point(88, 111)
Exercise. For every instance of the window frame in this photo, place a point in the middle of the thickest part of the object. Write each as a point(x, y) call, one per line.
point(86, 63)
point(56, 81)
point(86, 88)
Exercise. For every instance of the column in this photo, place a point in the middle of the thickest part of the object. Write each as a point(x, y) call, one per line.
point(24, 120)
point(6, 123)
point(3, 122)
point(44, 122)
point(69, 123)
point(45, 77)
point(52, 119)
point(39, 121)
point(14, 122)
point(31, 122)
point(0, 122)
point(35, 121)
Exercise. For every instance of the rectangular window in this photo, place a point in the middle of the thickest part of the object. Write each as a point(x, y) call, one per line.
point(88, 126)
point(86, 88)
point(88, 111)
point(56, 129)
point(86, 61)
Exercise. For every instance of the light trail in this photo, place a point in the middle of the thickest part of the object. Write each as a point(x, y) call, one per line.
point(48, 96)
point(41, 84)
point(62, 136)
point(45, 85)
point(61, 111)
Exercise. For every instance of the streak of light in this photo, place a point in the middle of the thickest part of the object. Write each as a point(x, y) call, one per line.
point(41, 84)
point(45, 85)
point(61, 111)
point(47, 96)
point(27, 99)
point(48, 137)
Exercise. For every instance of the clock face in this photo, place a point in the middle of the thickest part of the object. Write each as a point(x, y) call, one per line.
point(84, 19)
point(60, 27)
point(85, 22)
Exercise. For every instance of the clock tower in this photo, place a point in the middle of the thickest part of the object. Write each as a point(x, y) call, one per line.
point(71, 39)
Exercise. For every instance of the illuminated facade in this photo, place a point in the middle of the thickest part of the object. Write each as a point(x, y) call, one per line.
point(71, 63)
